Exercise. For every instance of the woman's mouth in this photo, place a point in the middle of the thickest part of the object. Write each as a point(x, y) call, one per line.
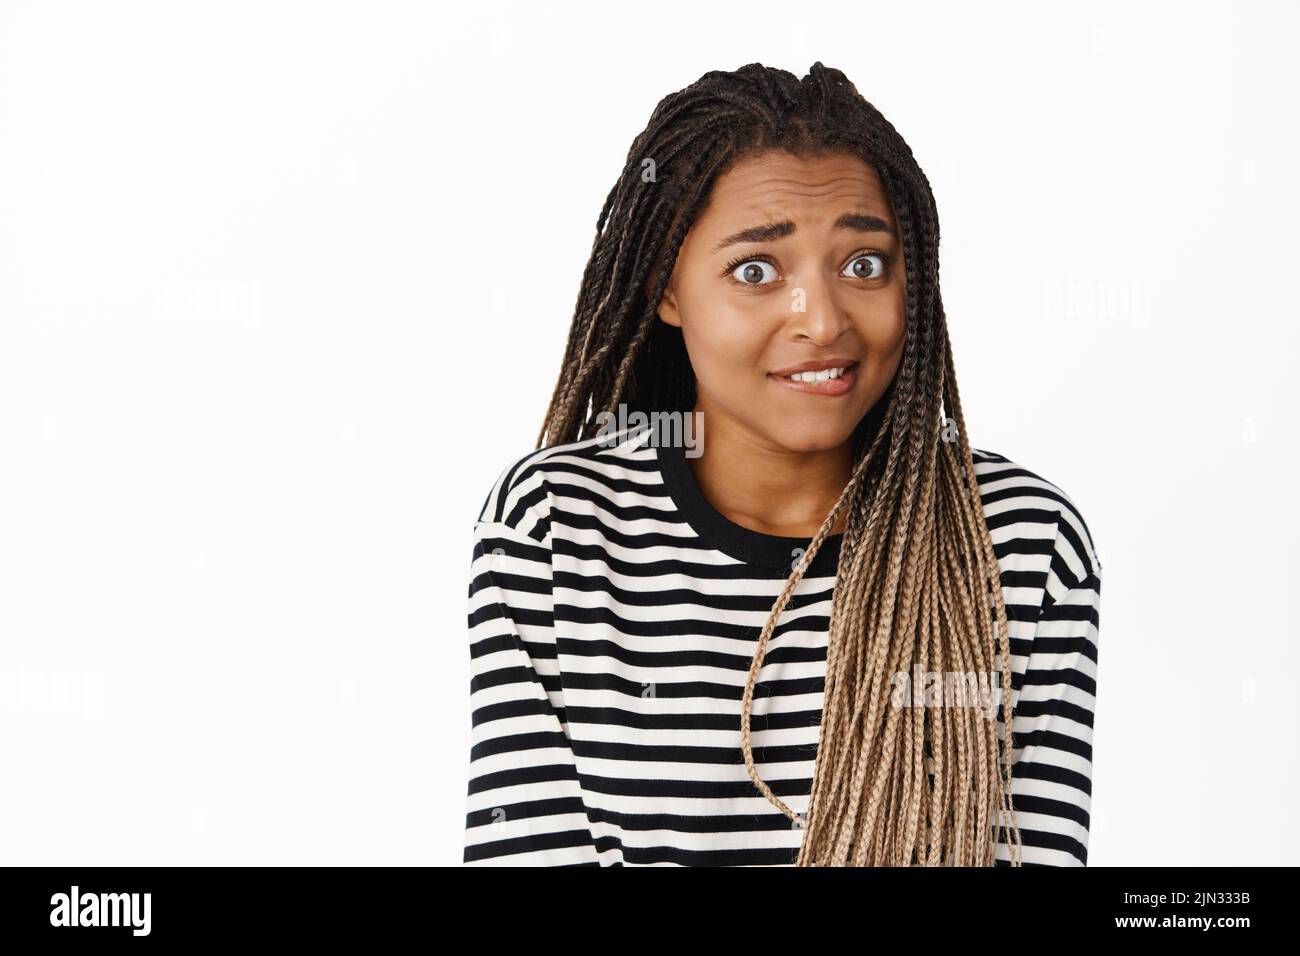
point(834, 377)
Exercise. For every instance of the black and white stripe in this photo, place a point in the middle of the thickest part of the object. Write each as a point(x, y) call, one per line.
point(613, 615)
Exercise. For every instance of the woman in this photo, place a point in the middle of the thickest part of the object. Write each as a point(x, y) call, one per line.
point(788, 637)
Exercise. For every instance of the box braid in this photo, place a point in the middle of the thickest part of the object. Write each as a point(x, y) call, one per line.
point(917, 585)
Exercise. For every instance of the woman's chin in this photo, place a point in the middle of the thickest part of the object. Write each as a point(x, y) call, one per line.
point(812, 438)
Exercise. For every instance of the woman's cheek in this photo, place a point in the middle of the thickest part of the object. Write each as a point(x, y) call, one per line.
point(743, 335)
point(728, 347)
point(883, 332)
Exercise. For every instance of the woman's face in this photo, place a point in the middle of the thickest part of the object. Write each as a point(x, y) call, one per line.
point(795, 266)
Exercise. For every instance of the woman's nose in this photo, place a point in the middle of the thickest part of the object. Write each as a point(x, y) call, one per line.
point(815, 315)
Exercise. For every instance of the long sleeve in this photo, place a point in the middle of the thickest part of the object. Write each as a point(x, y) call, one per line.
point(1052, 772)
point(524, 804)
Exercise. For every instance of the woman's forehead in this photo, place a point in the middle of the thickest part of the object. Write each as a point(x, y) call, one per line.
point(778, 182)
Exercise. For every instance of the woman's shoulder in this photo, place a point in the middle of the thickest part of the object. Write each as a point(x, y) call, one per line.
point(521, 495)
point(1010, 485)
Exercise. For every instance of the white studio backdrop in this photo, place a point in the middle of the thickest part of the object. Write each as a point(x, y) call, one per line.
point(283, 287)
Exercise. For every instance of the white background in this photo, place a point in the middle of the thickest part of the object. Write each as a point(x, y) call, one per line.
point(284, 287)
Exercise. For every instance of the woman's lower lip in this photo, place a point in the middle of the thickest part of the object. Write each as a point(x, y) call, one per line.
point(832, 386)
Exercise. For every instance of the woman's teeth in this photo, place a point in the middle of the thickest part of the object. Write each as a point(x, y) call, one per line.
point(825, 375)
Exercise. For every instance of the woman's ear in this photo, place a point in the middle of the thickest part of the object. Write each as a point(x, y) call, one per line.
point(669, 313)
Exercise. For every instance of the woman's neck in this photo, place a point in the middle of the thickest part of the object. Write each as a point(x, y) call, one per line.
point(770, 490)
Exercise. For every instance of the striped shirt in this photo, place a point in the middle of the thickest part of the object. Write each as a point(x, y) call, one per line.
point(613, 617)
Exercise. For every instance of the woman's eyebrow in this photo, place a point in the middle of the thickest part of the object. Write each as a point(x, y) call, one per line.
point(859, 222)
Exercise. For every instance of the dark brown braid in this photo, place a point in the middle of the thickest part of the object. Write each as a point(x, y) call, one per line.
point(917, 585)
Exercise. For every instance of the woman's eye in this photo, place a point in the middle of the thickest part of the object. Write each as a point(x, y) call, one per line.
point(869, 266)
point(754, 272)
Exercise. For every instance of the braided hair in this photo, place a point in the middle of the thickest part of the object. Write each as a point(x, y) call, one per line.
point(917, 581)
